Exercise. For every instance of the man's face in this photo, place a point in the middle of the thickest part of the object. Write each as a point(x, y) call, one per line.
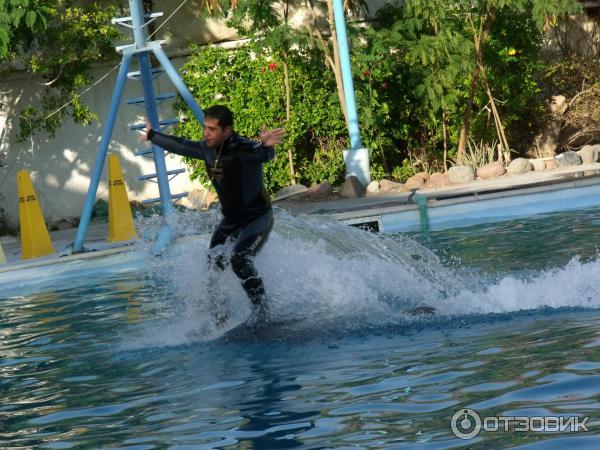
point(214, 135)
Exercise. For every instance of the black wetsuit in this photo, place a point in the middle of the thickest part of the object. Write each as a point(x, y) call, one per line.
point(237, 175)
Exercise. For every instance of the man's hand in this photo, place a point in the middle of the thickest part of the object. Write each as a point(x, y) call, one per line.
point(272, 137)
point(144, 136)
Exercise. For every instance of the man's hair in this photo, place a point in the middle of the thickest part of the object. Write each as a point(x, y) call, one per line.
point(222, 113)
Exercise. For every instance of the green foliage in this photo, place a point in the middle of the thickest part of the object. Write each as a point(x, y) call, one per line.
point(20, 20)
point(403, 172)
point(58, 41)
point(250, 82)
point(416, 71)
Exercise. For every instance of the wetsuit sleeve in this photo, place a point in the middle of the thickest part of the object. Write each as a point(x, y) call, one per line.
point(259, 153)
point(178, 145)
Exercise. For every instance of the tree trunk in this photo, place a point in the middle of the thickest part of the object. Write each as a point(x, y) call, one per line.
point(288, 112)
point(464, 129)
point(445, 135)
point(480, 39)
point(497, 120)
point(337, 69)
point(288, 95)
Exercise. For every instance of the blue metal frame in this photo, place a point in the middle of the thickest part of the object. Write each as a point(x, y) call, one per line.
point(346, 67)
point(183, 90)
point(142, 49)
point(102, 151)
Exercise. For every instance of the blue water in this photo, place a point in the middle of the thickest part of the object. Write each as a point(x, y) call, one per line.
point(123, 354)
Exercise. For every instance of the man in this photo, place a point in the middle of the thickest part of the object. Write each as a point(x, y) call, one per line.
point(234, 166)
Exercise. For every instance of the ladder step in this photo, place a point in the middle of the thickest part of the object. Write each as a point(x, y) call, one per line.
point(169, 172)
point(156, 71)
point(143, 151)
point(173, 197)
point(128, 19)
point(163, 125)
point(159, 98)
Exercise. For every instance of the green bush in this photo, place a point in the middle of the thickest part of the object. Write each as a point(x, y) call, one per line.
point(250, 82)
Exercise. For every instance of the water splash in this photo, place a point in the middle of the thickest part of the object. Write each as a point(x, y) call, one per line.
point(333, 278)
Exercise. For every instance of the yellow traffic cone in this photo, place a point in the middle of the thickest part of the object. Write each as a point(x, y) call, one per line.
point(35, 239)
point(2, 256)
point(120, 219)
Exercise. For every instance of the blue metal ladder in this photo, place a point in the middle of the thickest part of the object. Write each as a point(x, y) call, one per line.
point(146, 75)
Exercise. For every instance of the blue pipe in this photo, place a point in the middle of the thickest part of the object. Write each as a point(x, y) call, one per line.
point(340, 29)
point(168, 232)
point(152, 114)
point(101, 155)
point(173, 75)
point(137, 21)
point(139, 32)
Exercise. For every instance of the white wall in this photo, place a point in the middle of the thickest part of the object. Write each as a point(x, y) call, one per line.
point(61, 167)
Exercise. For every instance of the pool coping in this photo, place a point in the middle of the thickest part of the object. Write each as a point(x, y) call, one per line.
point(350, 211)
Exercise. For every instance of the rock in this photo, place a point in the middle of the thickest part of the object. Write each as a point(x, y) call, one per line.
point(589, 154)
point(196, 199)
point(568, 159)
point(136, 204)
point(319, 190)
point(100, 208)
point(390, 186)
point(518, 166)
point(492, 170)
point(551, 164)
point(461, 174)
point(373, 188)
point(539, 165)
point(438, 180)
point(547, 141)
point(199, 199)
point(415, 182)
point(352, 188)
point(62, 224)
point(290, 191)
point(423, 175)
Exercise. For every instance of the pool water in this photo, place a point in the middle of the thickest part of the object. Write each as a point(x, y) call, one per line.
point(124, 354)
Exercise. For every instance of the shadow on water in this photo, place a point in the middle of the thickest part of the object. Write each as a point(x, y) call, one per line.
point(126, 355)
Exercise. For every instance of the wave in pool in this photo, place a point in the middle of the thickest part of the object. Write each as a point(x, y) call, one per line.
point(331, 278)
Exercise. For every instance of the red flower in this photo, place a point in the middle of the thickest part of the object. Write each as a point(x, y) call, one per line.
point(385, 85)
point(272, 66)
point(367, 73)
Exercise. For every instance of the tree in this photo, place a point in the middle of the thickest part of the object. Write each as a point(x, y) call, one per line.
point(271, 29)
point(59, 42)
point(479, 17)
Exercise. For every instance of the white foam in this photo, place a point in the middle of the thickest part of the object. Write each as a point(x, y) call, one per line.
point(329, 275)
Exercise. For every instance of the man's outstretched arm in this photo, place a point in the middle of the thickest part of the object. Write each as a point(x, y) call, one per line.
point(263, 151)
point(175, 144)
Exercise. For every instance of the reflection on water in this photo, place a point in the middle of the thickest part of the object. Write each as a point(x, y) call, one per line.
point(123, 361)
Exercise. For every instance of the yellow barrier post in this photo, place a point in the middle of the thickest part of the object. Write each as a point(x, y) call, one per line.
point(2, 255)
point(35, 239)
point(120, 219)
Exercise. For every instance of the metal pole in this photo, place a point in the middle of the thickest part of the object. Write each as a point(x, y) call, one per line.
point(173, 75)
point(137, 21)
point(137, 17)
point(340, 29)
point(101, 155)
point(357, 157)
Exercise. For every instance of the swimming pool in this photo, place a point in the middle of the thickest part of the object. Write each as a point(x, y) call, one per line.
point(125, 355)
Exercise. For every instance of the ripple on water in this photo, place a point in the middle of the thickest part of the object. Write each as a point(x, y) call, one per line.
point(121, 361)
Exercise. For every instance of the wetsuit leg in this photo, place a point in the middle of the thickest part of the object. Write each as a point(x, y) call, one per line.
point(223, 231)
point(248, 243)
point(217, 302)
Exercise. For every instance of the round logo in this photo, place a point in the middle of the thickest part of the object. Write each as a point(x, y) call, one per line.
point(465, 423)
